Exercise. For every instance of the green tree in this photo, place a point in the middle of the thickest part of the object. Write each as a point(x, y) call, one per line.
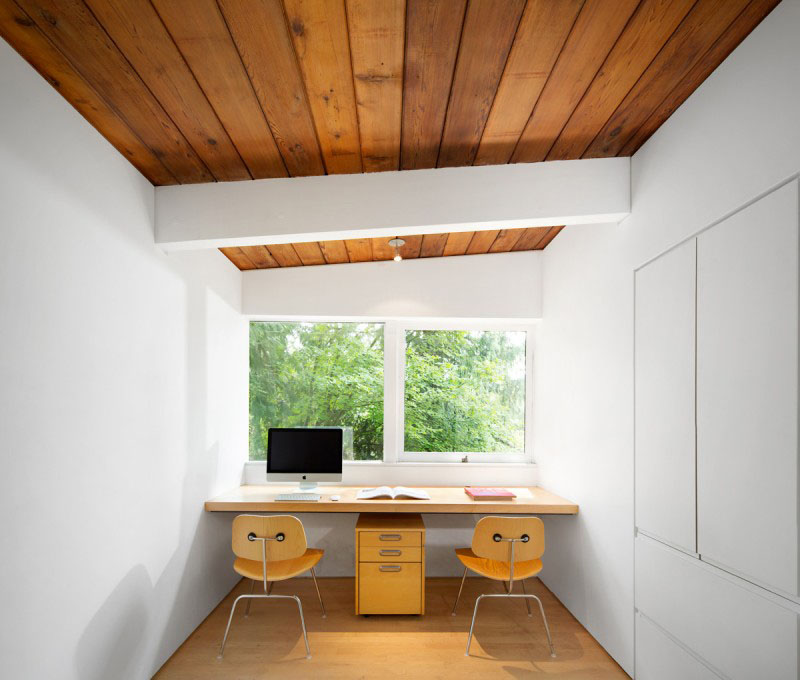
point(464, 391)
point(317, 374)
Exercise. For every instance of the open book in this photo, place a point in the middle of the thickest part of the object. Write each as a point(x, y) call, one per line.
point(396, 492)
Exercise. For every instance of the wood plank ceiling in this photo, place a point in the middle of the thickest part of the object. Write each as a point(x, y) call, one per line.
point(378, 249)
point(220, 90)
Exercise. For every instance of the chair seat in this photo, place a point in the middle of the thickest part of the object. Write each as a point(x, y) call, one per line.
point(278, 570)
point(495, 569)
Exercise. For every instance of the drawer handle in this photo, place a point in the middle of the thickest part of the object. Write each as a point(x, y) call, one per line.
point(390, 553)
point(390, 567)
point(390, 537)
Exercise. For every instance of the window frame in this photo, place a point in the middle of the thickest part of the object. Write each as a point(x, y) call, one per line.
point(396, 393)
point(394, 351)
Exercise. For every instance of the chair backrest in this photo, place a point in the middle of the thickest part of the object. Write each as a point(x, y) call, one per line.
point(484, 544)
point(292, 544)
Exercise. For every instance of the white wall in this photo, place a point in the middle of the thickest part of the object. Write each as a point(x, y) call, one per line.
point(732, 140)
point(461, 287)
point(122, 405)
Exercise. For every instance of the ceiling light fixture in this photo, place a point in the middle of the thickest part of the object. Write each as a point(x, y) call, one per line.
point(397, 243)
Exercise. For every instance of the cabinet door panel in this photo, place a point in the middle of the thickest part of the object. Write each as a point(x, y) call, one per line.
point(747, 407)
point(722, 619)
point(665, 391)
point(659, 658)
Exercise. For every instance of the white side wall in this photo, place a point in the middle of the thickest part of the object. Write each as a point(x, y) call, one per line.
point(123, 383)
point(732, 140)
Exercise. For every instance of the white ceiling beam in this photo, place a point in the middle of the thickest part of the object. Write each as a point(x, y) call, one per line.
point(390, 204)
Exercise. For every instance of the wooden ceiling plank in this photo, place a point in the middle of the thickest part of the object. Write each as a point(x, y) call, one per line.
point(320, 38)
point(457, 243)
point(285, 255)
point(260, 257)
point(200, 32)
point(74, 30)
point(489, 29)
point(433, 31)
point(359, 249)
point(646, 33)
point(540, 37)
point(531, 238)
point(482, 241)
point(381, 250)
point(334, 252)
point(309, 253)
point(752, 15)
point(552, 232)
point(377, 38)
point(139, 33)
point(594, 34)
point(21, 32)
point(707, 21)
point(410, 250)
point(262, 38)
point(506, 240)
point(239, 259)
point(433, 245)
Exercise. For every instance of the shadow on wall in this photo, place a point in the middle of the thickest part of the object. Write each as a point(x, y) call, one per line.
point(115, 635)
point(142, 623)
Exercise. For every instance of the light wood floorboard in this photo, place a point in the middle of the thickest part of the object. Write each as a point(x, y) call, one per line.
point(506, 643)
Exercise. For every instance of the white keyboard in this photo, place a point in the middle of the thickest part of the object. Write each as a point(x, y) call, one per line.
point(309, 497)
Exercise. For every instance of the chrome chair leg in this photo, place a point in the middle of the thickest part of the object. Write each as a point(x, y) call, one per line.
point(460, 588)
point(510, 595)
point(321, 604)
point(266, 596)
point(228, 627)
point(527, 600)
point(302, 622)
point(472, 625)
point(546, 627)
point(249, 600)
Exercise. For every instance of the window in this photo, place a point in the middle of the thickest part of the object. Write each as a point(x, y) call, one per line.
point(402, 392)
point(464, 391)
point(318, 374)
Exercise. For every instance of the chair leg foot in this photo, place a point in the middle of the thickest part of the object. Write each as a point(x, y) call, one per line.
point(321, 604)
point(472, 625)
point(460, 588)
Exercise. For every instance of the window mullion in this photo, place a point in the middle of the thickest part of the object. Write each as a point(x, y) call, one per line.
point(391, 376)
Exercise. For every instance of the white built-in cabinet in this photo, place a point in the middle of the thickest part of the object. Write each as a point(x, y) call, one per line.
point(747, 388)
point(716, 323)
point(665, 407)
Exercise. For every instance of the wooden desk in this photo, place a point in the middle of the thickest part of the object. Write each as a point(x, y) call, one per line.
point(444, 499)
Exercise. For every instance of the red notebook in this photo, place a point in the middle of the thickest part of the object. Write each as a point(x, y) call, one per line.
point(482, 493)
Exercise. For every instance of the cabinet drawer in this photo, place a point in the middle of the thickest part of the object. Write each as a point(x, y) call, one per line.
point(390, 538)
point(390, 588)
point(398, 553)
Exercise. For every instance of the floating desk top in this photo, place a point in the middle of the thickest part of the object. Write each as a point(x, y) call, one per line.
point(444, 499)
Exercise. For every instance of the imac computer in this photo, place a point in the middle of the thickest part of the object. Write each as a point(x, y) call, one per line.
point(304, 454)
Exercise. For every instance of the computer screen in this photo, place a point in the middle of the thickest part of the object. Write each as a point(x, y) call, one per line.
point(299, 450)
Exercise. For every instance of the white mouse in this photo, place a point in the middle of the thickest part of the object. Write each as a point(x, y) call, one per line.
point(335, 498)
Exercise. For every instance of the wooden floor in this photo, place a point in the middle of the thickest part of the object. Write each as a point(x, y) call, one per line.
point(506, 643)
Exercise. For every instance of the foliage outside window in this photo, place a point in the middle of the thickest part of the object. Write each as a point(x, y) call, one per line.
point(447, 392)
point(318, 374)
point(465, 391)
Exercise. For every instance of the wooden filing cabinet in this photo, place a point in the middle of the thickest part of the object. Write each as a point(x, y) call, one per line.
point(390, 564)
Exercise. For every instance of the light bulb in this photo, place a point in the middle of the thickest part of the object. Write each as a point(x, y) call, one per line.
point(398, 257)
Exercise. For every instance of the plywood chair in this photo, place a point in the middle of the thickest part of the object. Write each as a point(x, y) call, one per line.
point(505, 549)
point(270, 549)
